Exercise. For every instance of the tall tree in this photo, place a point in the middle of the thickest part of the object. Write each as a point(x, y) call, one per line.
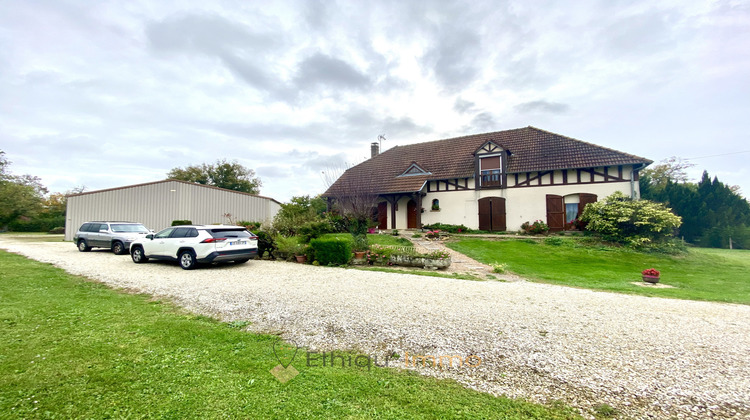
point(20, 196)
point(222, 174)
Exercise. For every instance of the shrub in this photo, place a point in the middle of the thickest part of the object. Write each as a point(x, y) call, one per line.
point(265, 244)
point(314, 229)
point(360, 243)
point(432, 234)
point(499, 267)
point(448, 228)
point(651, 272)
point(554, 241)
point(394, 232)
point(288, 247)
point(331, 251)
point(58, 230)
point(636, 223)
point(251, 226)
point(181, 222)
point(416, 236)
point(537, 228)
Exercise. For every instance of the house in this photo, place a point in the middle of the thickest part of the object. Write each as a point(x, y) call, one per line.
point(157, 204)
point(492, 181)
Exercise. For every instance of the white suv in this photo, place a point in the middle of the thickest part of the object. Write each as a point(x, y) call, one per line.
point(190, 245)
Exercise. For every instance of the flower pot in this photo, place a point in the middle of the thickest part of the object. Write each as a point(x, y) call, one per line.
point(301, 258)
point(650, 279)
point(358, 255)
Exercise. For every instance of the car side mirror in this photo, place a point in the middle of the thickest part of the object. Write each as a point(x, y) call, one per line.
point(149, 236)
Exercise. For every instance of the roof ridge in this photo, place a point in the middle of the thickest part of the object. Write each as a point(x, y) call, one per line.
point(590, 144)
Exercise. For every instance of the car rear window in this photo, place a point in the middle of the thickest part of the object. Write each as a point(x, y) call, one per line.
point(129, 228)
point(229, 233)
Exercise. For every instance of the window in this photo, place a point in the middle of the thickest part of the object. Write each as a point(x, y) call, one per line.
point(436, 204)
point(164, 233)
point(491, 178)
point(490, 171)
point(571, 212)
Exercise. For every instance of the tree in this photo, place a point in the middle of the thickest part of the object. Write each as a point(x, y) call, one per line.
point(637, 223)
point(352, 198)
point(222, 174)
point(672, 170)
point(20, 196)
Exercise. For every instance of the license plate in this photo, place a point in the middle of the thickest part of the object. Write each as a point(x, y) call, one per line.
point(238, 243)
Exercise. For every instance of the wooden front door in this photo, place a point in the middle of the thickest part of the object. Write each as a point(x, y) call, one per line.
point(555, 213)
point(383, 215)
point(492, 214)
point(411, 214)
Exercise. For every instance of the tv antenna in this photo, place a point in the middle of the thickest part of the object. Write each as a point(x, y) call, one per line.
point(381, 137)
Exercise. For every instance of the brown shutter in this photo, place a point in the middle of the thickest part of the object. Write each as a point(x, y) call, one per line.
point(491, 163)
point(583, 200)
point(485, 215)
point(498, 214)
point(555, 213)
point(383, 215)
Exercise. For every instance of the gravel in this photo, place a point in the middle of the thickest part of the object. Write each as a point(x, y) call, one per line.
point(646, 357)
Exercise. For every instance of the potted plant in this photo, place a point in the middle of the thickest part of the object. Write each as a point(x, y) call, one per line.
point(360, 246)
point(651, 275)
point(299, 253)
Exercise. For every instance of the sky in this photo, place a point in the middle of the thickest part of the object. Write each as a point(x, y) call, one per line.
point(111, 93)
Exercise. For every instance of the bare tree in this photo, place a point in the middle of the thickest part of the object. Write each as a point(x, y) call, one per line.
point(353, 197)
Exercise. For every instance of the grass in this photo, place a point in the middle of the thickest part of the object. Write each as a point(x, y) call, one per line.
point(703, 274)
point(71, 348)
point(428, 273)
point(374, 239)
point(34, 236)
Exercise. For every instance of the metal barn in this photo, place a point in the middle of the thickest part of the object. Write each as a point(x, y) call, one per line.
point(157, 204)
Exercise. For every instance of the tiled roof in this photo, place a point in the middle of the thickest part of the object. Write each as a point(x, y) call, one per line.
point(531, 150)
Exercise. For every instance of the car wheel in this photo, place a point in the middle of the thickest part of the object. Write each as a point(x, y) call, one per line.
point(118, 248)
point(242, 261)
point(187, 260)
point(83, 246)
point(138, 256)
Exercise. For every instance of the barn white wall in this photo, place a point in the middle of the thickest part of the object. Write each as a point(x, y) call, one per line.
point(156, 205)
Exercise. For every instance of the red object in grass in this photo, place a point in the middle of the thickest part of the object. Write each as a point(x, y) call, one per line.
point(652, 272)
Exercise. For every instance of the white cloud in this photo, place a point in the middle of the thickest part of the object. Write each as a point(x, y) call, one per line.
point(141, 87)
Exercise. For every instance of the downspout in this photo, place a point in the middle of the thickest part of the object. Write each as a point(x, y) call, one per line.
point(632, 181)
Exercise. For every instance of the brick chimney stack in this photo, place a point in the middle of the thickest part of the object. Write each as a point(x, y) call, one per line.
point(374, 149)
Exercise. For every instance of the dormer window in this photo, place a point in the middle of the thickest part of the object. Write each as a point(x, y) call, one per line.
point(414, 170)
point(490, 171)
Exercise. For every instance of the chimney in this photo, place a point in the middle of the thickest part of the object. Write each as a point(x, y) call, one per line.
point(374, 149)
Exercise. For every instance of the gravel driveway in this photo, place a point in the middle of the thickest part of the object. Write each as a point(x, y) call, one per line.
point(647, 357)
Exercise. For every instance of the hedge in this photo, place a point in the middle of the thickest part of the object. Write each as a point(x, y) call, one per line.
point(331, 251)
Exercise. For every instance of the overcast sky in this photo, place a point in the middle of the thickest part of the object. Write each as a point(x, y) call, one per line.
point(105, 94)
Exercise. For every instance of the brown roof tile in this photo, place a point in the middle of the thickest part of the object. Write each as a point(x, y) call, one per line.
point(531, 150)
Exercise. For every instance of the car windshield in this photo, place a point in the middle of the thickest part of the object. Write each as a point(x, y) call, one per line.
point(129, 228)
point(229, 233)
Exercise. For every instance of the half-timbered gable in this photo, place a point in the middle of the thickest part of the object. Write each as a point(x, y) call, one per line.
point(492, 181)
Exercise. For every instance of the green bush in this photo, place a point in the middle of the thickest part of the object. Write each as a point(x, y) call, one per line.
point(360, 243)
point(266, 243)
point(181, 222)
point(554, 241)
point(251, 226)
point(448, 228)
point(314, 229)
point(331, 251)
point(288, 247)
point(636, 223)
point(36, 224)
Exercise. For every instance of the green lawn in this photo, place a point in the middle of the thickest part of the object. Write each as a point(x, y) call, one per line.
point(71, 348)
point(374, 239)
point(33, 236)
point(703, 274)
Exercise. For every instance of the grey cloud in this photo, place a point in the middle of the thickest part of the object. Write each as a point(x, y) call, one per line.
point(484, 121)
point(643, 33)
point(453, 58)
point(321, 69)
point(542, 107)
point(363, 123)
point(463, 106)
point(206, 34)
point(272, 172)
point(321, 162)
